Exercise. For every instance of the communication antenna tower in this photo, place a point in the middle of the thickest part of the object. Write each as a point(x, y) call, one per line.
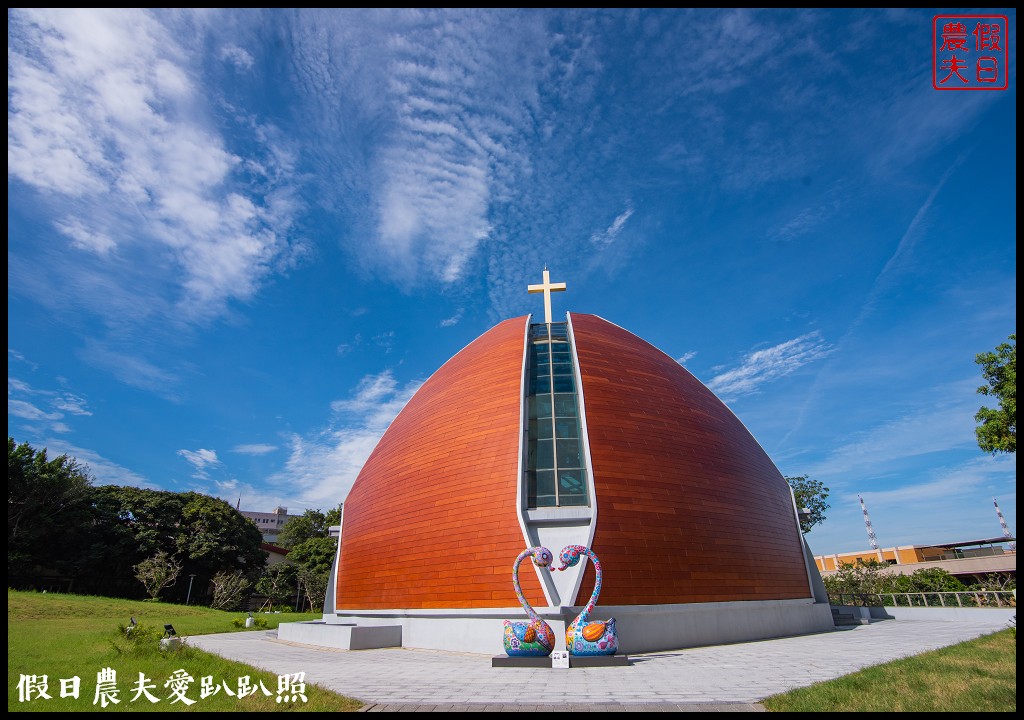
point(1002, 522)
point(871, 530)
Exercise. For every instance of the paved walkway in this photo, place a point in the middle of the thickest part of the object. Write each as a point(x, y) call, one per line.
point(725, 677)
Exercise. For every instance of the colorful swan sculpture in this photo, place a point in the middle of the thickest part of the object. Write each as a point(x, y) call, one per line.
point(585, 636)
point(534, 638)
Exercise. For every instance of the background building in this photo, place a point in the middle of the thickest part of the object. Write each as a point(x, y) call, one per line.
point(269, 523)
point(971, 561)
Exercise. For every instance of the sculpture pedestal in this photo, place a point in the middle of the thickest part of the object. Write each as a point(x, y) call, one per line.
point(170, 643)
point(506, 661)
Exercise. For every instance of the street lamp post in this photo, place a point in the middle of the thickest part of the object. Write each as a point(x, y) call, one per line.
point(189, 596)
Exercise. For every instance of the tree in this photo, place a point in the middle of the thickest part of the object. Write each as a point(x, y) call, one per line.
point(311, 524)
point(129, 524)
point(97, 537)
point(810, 496)
point(859, 582)
point(44, 499)
point(312, 555)
point(228, 589)
point(315, 553)
point(315, 585)
point(277, 583)
point(998, 430)
point(997, 581)
point(217, 538)
point(930, 580)
point(157, 573)
point(314, 559)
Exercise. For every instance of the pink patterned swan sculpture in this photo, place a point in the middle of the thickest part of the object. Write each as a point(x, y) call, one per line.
point(534, 638)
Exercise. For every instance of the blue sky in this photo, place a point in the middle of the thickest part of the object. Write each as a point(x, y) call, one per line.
point(238, 241)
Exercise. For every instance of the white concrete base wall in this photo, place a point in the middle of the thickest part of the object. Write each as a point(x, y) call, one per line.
point(667, 627)
point(641, 628)
point(343, 636)
point(948, 613)
point(460, 630)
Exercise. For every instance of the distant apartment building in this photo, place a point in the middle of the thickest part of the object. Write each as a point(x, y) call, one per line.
point(269, 523)
point(969, 560)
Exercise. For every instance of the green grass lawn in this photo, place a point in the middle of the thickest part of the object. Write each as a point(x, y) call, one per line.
point(64, 636)
point(975, 676)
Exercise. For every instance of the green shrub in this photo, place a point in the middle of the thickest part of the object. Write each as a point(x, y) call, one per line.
point(259, 623)
point(139, 640)
point(137, 636)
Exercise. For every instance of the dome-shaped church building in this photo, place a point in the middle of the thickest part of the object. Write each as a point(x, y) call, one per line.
point(571, 432)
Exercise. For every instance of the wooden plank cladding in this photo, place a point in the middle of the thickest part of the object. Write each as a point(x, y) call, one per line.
point(431, 520)
point(689, 507)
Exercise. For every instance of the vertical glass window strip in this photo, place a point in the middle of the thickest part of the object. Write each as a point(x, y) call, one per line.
point(555, 472)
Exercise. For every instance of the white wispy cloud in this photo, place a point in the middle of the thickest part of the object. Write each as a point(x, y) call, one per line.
point(103, 470)
point(250, 497)
point(453, 320)
point(322, 466)
point(385, 340)
point(85, 239)
point(202, 460)
point(254, 449)
point(376, 401)
point(237, 56)
point(434, 90)
point(611, 233)
point(904, 248)
point(686, 357)
point(23, 402)
point(809, 218)
point(107, 115)
point(71, 404)
point(15, 355)
point(15, 385)
point(131, 368)
point(28, 411)
point(763, 366)
point(945, 503)
point(883, 281)
point(944, 424)
point(965, 479)
point(346, 347)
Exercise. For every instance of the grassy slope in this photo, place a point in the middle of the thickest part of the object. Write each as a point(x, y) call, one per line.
point(62, 636)
point(975, 676)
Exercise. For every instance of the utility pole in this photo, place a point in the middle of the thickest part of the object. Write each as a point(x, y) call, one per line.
point(189, 596)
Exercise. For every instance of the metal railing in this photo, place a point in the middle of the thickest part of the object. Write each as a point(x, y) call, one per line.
point(962, 598)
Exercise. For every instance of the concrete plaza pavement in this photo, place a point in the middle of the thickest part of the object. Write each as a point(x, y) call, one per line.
point(724, 678)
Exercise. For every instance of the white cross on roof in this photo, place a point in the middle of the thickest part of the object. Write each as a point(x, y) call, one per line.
point(547, 287)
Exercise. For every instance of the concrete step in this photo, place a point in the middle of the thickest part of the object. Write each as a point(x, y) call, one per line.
point(857, 615)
